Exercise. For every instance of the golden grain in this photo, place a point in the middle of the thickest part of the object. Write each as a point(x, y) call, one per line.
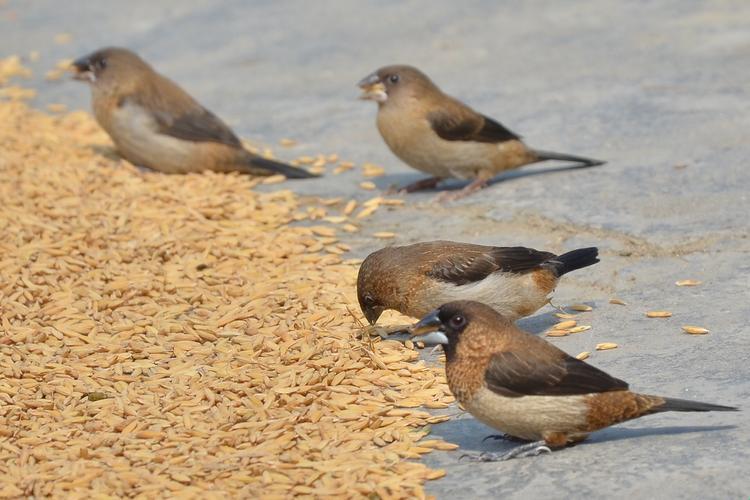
point(603, 346)
point(695, 330)
point(168, 336)
point(688, 282)
point(658, 314)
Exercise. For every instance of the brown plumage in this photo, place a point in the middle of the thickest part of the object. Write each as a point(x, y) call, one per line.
point(526, 387)
point(156, 124)
point(438, 134)
point(415, 279)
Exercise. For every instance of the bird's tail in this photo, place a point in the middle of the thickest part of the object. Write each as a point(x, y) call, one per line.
point(672, 404)
point(575, 259)
point(257, 165)
point(550, 155)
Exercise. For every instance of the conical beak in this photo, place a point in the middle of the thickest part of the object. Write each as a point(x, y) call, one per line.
point(372, 88)
point(429, 330)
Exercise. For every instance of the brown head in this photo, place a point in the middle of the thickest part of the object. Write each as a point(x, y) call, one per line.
point(111, 67)
point(394, 83)
point(465, 326)
point(378, 283)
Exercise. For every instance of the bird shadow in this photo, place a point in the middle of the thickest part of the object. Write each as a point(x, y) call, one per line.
point(108, 152)
point(469, 434)
point(398, 181)
point(538, 323)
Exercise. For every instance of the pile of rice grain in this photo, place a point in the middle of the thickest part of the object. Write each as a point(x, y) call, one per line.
point(174, 334)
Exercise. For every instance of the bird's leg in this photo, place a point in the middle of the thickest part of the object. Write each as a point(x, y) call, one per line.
point(505, 437)
point(525, 450)
point(429, 183)
point(473, 187)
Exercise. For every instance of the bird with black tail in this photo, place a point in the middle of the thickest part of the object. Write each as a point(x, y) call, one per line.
point(415, 279)
point(527, 388)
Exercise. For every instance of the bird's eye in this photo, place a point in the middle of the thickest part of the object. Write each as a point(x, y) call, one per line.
point(457, 322)
point(369, 300)
point(393, 78)
point(100, 64)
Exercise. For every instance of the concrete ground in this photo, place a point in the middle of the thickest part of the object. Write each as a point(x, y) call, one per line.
point(658, 89)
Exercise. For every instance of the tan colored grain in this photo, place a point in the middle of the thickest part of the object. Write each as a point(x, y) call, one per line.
point(175, 336)
point(658, 314)
point(688, 282)
point(695, 330)
point(580, 307)
point(604, 346)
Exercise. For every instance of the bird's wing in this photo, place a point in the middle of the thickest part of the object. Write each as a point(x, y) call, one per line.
point(179, 115)
point(474, 263)
point(458, 122)
point(534, 374)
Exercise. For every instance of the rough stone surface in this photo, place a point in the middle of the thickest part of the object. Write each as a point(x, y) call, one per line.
point(657, 89)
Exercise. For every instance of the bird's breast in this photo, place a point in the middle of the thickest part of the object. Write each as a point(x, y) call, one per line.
point(134, 130)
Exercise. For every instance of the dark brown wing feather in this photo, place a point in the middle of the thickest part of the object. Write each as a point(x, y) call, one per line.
point(471, 264)
point(181, 116)
point(460, 123)
point(512, 376)
point(199, 125)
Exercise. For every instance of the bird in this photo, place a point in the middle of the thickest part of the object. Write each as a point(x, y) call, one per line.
point(154, 123)
point(438, 134)
point(415, 279)
point(524, 386)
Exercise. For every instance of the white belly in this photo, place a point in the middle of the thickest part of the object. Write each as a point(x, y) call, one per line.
point(512, 295)
point(529, 417)
point(135, 133)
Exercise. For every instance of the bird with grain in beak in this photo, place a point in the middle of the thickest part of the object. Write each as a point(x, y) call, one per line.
point(415, 279)
point(439, 135)
point(527, 388)
point(156, 124)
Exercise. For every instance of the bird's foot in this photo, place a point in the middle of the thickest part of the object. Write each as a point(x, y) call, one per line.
point(505, 437)
point(429, 183)
point(473, 187)
point(525, 450)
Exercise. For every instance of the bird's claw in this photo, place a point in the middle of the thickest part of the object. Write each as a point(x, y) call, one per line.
point(525, 450)
point(504, 437)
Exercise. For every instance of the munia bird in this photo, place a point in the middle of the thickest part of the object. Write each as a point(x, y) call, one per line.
point(439, 135)
point(156, 124)
point(527, 388)
point(415, 279)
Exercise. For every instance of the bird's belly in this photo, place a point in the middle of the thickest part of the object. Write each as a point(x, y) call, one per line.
point(135, 134)
point(529, 417)
point(454, 159)
point(420, 147)
point(512, 295)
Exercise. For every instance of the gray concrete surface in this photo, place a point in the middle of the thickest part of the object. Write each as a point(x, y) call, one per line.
point(659, 89)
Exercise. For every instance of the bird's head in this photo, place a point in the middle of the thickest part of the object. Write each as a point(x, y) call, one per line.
point(377, 286)
point(109, 65)
point(451, 322)
point(392, 82)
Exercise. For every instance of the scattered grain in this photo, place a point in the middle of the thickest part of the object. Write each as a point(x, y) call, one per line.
point(695, 330)
point(604, 346)
point(658, 314)
point(580, 307)
point(688, 283)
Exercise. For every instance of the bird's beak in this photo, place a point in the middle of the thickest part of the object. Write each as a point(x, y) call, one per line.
point(372, 88)
point(430, 330)
point(83, 71)
point(373, 313)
